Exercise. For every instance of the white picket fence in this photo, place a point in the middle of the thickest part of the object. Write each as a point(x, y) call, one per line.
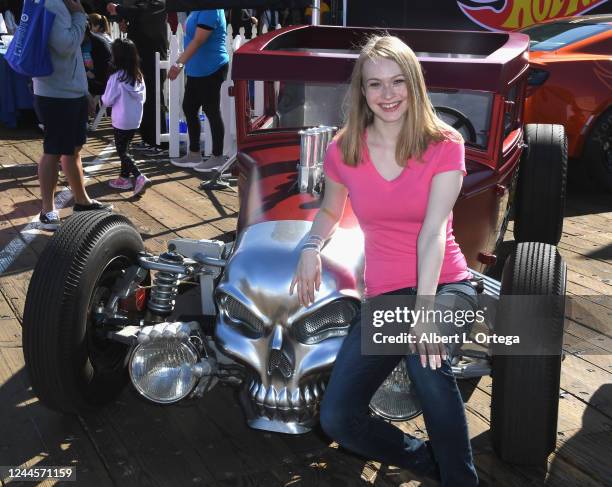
point(174, 92)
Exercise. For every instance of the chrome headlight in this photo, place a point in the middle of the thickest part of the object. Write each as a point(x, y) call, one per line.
point(331, 320)
point(163, 371)
point(396, 399)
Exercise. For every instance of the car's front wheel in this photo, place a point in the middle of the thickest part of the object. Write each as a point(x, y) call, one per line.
point(525, 394)
point(73, 367)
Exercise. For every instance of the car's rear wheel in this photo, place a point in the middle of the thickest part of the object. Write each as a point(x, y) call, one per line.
point(598, 152)
point(73, 367)
point(540, 194)
point(525, 394)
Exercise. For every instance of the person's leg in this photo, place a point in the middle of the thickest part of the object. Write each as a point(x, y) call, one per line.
point(444, 411)
point(47, 177)
point(73, 170)
point(345, 412)
point(235, 21)
point(195, 90)
point(211, 106)
point(121, 148)
point(122, 141)
point(45, 108)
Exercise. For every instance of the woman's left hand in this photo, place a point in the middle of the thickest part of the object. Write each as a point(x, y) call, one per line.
point(173, 72)
point(432, 353)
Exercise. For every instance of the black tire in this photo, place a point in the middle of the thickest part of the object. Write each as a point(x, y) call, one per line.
point(525, 395)
point(540, 193)
point(72, 368)
point(597, 156)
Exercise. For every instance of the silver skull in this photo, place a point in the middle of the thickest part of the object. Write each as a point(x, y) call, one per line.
point(289, 350)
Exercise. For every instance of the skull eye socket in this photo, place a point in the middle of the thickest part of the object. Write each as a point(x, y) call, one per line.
point(329, 321)
point(239, 314)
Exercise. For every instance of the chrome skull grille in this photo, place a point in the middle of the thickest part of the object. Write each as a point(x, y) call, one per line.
point(288, 351)
point(331, 320)
point(281, 362)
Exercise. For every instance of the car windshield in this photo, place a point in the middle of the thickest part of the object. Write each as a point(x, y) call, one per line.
point(550, 37)
point(305, 104)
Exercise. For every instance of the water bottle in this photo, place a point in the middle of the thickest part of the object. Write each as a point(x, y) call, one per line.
point(202, 133)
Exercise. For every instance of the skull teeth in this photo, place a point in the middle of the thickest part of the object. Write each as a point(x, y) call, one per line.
point(300, 398)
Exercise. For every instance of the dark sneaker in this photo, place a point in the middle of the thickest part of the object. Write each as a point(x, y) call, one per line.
point(50, 221)
point(95, 205)
point(150, 150)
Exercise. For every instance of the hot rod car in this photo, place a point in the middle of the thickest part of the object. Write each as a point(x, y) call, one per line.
point(101, 312)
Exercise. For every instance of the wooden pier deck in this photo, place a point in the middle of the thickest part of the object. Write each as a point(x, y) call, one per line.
point(132, 443)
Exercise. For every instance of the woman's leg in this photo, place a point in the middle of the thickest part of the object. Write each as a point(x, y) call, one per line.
point(345, 412)
point(211, 106)
point(443, 407)
point(192, 101)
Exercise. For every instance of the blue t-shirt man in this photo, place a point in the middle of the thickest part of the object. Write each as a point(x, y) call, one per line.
point(212, 54)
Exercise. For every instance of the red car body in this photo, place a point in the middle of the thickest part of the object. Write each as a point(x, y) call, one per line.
point(570, 79)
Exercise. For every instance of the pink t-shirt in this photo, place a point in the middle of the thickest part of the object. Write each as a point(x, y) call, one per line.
point(391, 214)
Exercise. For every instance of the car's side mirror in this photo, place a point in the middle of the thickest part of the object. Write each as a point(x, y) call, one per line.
point(313, 144)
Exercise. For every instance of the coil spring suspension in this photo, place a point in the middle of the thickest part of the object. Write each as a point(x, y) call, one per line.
point(165, 286)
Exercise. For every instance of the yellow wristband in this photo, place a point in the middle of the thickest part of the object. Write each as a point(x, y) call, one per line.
point(329, 213)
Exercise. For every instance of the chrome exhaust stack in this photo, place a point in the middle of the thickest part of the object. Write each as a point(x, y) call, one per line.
point(313, 145)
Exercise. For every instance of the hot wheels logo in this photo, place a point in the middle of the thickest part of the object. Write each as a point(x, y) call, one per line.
point(516, 14)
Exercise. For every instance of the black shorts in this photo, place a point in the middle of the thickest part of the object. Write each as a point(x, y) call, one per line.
point(65, 121)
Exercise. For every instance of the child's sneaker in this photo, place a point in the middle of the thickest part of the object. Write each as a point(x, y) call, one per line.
point(121, 183)
point(142, 183)
point(50, 220)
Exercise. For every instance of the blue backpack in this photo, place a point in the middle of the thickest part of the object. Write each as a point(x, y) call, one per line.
point(28, 53)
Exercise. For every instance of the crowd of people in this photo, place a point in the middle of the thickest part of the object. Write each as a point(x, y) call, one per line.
point(89, 66)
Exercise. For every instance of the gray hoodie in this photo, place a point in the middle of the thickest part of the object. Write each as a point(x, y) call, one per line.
point(68, 79)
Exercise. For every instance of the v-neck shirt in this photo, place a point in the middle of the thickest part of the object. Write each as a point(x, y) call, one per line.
point(391, 214)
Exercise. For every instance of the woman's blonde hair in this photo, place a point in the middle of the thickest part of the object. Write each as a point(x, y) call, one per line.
point(421, 124)
point(97, 20)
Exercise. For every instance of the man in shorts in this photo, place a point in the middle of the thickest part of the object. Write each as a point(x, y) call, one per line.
point(61, 103)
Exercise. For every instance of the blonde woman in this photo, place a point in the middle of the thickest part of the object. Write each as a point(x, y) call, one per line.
point(403, 168)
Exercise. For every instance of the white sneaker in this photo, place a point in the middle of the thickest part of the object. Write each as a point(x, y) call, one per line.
point(210, 164)
point(191, 159)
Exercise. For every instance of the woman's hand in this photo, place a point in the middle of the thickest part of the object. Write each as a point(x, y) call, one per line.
point(432, 353)
point(307, 277)
point(173, 72)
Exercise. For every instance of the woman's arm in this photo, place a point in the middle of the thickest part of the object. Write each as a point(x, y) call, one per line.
point(445, 188)
point(307, 276)
point(200, 37)
point(431, 244)
point(331, 210)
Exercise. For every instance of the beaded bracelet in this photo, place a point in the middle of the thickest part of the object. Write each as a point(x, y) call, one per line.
point(314, 242)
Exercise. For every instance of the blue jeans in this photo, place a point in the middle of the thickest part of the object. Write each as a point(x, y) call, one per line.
point(355, 378)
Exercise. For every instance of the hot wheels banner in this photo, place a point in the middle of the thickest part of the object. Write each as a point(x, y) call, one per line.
point(517, 14)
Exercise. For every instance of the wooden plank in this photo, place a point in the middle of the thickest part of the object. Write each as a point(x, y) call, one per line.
point(139, 442)
point(34, 436)
point(571, 464)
